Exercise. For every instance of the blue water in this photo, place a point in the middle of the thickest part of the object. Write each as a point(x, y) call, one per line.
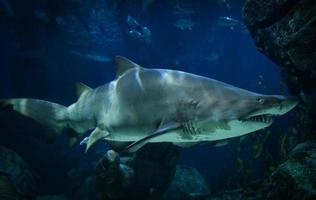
point(41, 59)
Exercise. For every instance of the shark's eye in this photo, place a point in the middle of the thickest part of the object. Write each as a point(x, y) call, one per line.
point(260, 100)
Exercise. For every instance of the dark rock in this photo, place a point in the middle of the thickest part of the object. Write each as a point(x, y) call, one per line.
point(143, 175)
point(7, 190)
point(52, 197)
point(295, 179)
point(187, 184)
point(284, 30)
point(82, 178)
point(16, 175)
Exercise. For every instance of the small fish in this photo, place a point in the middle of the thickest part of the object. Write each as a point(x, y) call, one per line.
point(228, 22)
point(221, 144)
point(232, 24)
point(93, 56)
point(146, 34)
point(131, 21)
point(138, 31)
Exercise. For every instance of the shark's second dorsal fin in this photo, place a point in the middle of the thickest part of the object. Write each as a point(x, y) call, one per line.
point(123, 64)
point(82, 88)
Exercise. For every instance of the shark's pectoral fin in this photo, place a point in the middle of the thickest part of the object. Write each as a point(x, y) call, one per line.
point(95, 136)
point(164, 129)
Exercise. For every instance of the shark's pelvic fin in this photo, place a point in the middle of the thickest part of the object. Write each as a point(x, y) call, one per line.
point(123, 64)
point(140, 143)
point(82, 88)
point(95, 136)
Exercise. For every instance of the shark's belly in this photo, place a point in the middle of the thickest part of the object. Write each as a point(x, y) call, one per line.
point(132, 136)
point(235, 129)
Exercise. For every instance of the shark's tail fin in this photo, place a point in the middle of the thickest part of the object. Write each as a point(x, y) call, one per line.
point(50, 115)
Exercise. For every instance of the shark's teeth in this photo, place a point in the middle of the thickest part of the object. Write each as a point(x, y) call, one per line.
point(260, 118)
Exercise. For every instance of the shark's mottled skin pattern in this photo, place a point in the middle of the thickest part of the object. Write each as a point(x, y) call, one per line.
point(141, 101)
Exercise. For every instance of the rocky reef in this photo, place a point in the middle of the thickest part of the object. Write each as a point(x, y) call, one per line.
point(284, 30)
point(145, 175)
point(187, 184)
point(294, 179)
point(52, 197)
point(17, 179)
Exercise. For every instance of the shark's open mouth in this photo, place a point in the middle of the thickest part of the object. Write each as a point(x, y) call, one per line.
point(265, 118)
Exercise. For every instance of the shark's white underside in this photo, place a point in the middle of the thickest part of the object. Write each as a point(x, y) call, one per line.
point(236, 128)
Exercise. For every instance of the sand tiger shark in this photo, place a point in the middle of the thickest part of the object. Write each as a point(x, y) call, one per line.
point(145, 105)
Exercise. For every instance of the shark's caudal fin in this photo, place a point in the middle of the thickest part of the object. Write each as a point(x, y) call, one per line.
point(51, 115)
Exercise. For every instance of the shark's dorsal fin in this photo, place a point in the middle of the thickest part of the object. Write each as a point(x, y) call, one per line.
point(82, 88)
point(123, 64)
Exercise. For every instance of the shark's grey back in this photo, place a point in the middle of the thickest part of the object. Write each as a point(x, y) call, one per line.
point(148, 96)
point(152, 95)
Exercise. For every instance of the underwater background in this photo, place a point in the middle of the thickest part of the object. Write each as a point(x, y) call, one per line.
point(263, 46)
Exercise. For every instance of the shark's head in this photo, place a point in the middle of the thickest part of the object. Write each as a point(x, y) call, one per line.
point(239, 112)
point(263, 108)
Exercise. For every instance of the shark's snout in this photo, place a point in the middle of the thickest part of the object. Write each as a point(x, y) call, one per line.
point(279, 105)
point(289, 103)
point(268, 106)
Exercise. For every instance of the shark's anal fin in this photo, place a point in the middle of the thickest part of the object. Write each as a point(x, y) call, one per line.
point(95, 136)
point(164, 129)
